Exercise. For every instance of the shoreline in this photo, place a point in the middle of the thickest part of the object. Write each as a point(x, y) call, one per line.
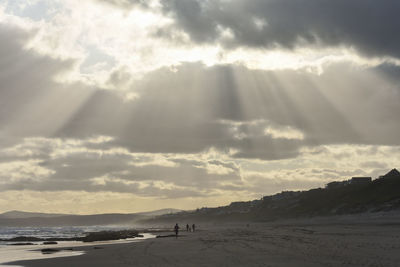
point(10, 253)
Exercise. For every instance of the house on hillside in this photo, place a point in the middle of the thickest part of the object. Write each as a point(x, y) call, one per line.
point(360, 180)
point(284, 195)
point(336, 184)
point(352, 181)
point(392, 173)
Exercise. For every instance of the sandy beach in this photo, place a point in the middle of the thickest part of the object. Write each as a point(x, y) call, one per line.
point(251, 119)
point(289, 244)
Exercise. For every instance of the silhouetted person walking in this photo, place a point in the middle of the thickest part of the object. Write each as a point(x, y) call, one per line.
point(193, 227)
point(176, 228)
point(187, 227)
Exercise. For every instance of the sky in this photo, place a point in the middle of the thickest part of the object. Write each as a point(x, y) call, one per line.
point(134, 105)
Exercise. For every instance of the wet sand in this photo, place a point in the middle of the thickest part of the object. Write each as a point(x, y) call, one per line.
point(286, 244)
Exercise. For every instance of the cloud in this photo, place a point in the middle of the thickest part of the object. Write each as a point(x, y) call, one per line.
point(192, 130)
point(192, 108)
point(32, 102)
point(126, 3)
point(21, 172)
point(254, 114)
point(91, 166)
point(369, 26)
point(69, 164)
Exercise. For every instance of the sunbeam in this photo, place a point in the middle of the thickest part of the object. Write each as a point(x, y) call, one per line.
point(193, 102)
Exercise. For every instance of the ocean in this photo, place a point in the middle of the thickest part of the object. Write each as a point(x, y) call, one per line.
point(29, 252)
point(48, 232)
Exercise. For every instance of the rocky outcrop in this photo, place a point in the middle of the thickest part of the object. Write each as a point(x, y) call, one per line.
point(110, 235)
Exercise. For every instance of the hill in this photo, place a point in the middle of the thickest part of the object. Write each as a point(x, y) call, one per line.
point(358, 195)
point(22, 219)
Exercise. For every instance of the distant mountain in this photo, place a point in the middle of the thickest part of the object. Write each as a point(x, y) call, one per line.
point(159, 212)
point(21, 218)
point(356, 195)
point(15, 214)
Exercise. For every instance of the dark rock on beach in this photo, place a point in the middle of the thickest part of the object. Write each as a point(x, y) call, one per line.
point(21, 244)
point(23, 239)
point(89, 237)
point(110, 235)
point(50, 243)
point(49, 250)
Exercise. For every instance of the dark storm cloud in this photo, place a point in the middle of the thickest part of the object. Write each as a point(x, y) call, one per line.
point(389, 71)
point(369, 26)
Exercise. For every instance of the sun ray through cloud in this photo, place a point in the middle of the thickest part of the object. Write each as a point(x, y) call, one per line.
point(196, 102)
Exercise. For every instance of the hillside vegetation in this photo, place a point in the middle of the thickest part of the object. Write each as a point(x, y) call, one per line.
point(382, 194)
